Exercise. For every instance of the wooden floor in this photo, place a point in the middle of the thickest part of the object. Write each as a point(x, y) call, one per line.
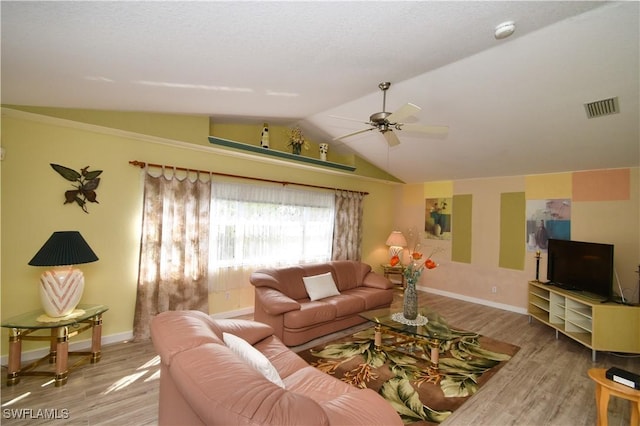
point(546, 383)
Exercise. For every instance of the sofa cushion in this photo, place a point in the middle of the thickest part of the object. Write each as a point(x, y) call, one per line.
point(373, 298)
point(310, 313)
point(349, 273)
point(288, 280)
point(346, 304)
point(253, 357)
point(320, 286)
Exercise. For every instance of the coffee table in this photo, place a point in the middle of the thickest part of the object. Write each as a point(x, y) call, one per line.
point(435, 331)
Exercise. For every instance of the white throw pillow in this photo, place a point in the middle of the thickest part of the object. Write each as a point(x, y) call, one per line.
point(320, 286)
point(253, 357)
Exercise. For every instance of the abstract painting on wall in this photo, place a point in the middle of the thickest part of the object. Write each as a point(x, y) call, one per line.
point(550, 218)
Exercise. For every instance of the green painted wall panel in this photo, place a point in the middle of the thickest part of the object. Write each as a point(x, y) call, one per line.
point(512, 230)
point(461, 228)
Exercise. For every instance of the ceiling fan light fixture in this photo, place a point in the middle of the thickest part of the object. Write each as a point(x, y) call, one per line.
point(385, 122)
point(504, 30)
point(379, 118)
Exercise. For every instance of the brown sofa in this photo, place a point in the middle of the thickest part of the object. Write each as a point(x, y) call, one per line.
point(203, 382)
point(282, 301)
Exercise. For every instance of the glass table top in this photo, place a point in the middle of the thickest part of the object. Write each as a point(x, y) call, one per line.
point(435, 328)
point(30, 319)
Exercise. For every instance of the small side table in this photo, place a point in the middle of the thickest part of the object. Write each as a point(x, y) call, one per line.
point(605, 388)
point(23, 327)
point(388, 270)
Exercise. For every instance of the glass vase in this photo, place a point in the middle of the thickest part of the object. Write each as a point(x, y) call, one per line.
point(410, 304)
point(295, 149)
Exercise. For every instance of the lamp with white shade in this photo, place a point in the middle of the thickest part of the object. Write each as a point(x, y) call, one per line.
point(61, 287)
point(396, 242)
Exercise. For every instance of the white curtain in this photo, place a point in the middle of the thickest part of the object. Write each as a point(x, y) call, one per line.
point(254, 226)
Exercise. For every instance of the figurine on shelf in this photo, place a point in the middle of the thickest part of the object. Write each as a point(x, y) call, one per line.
point(264, 140)
point(324, 148)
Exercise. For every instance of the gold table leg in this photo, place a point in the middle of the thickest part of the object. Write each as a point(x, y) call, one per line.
point(378, 337)
point(15, 357)
point(62, 349)
point(53, 346)
point(96, 338)
point(434, 344)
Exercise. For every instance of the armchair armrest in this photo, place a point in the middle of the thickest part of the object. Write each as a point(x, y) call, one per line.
point(377, 281)
point(274, 302)
point(366, 407)
point(251, 331)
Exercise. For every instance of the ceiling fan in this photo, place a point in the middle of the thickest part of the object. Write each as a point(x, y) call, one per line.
point(387, 122)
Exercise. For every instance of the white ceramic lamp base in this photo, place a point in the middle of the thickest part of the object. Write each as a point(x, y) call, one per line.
point(60, 291)
point(395, 251)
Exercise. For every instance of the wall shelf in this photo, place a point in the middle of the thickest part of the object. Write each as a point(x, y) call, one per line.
point(274, 153)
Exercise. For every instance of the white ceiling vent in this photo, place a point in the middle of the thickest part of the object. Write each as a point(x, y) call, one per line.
point(603, 107)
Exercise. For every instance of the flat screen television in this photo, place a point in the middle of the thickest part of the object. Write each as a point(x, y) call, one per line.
point(581, 266)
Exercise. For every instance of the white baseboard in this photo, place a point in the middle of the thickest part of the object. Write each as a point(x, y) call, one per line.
point(82, 345)
point(232, 314)
point(78, 345)
point(85, 344)
point(503, 306)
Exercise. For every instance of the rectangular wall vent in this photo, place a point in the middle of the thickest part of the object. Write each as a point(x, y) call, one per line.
point(602, 107)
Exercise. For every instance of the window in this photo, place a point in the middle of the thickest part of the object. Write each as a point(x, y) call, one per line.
point(255, 226)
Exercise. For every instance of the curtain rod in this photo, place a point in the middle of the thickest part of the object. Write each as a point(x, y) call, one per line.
point(142, 165)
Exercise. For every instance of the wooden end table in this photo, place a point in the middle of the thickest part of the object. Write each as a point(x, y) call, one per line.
point(606, 388)
point(394, 270)
point(24, 327)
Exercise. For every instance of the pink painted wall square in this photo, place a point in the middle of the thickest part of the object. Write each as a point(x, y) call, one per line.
point(601, 185)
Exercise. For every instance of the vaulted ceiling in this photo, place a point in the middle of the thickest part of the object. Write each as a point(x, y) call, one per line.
point(514, 106)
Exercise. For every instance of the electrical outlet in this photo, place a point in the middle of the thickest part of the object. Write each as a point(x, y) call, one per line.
point(494, 289)
point(226, 295)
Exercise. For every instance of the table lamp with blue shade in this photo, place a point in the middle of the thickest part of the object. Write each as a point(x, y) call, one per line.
point(61, 287)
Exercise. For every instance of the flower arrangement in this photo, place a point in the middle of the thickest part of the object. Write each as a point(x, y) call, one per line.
point(297, 140)
point(412, 274)
point(438, 208)
point(413, 271)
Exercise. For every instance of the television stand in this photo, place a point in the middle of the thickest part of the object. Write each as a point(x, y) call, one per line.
point(598, 325)
point(591, 296)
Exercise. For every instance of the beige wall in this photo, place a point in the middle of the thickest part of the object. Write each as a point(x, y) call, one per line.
point(32, 208)
point(33, 194)
point(612, 222)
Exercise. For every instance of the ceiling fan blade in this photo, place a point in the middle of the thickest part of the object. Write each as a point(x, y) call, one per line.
point(434, 130)
point(391, 138)
point(353, 133)
point(407, 110)
point(349, 119)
